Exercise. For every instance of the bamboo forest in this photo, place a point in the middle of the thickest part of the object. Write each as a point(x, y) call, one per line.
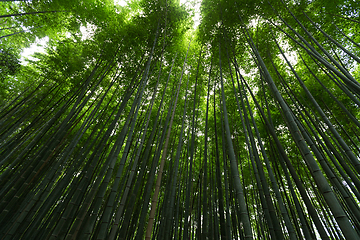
point(169, 119)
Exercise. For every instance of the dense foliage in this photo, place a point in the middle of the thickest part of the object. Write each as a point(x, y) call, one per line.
point(246, 127)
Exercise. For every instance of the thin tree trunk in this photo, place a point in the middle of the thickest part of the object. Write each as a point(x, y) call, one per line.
point(162, 162)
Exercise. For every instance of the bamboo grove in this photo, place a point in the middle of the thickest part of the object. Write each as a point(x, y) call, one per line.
point(246, 127)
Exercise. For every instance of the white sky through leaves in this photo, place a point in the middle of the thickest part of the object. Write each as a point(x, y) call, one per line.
point(40, 44)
